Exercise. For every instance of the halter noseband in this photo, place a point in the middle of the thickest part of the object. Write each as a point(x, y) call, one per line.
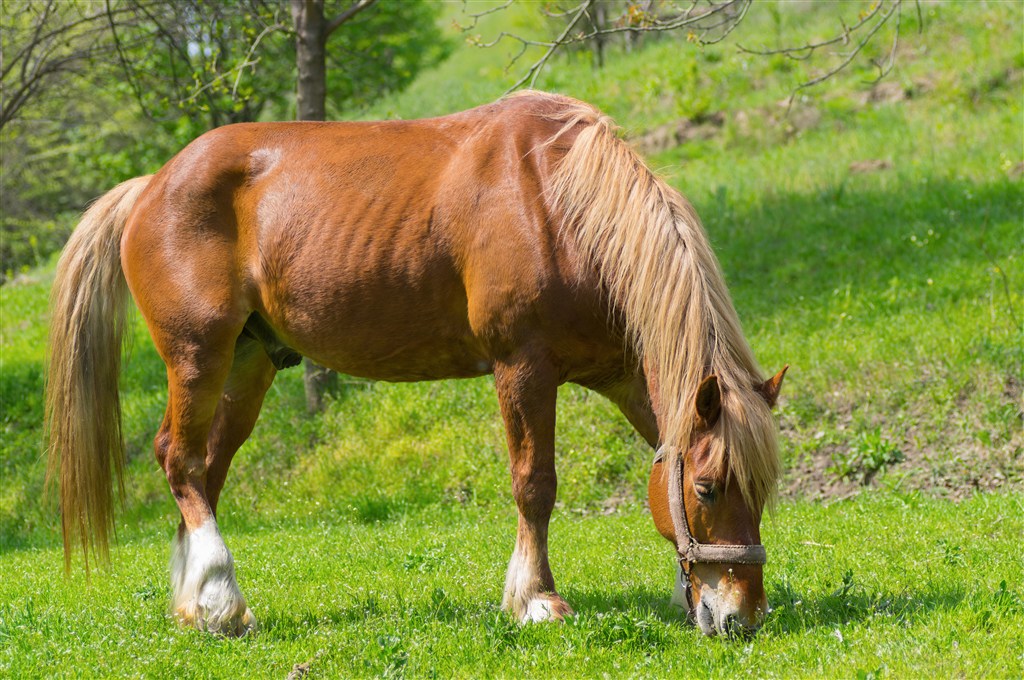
point(689, 551)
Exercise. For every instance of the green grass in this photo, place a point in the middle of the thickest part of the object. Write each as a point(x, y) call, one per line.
point(417, 594)
point(372, 540)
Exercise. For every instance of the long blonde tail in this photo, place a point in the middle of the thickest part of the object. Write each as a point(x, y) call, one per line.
point(83, 409)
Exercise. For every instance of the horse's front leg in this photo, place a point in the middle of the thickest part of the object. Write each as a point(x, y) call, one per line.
point(527, 386)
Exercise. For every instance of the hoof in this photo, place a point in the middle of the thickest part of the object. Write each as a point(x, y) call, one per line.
point(228, 624)
point(545, 607)
point(206, 596)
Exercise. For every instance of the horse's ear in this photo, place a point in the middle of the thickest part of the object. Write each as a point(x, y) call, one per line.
point(708, 402)
point(769, 389)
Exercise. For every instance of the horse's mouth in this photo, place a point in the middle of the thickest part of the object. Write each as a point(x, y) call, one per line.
point(714, 617)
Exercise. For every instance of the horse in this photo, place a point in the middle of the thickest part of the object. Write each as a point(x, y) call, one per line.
point(522, 239)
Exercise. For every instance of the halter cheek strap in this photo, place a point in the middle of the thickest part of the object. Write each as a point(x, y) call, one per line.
point(689, 550)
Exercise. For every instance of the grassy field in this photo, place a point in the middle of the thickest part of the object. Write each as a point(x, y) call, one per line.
point(417, 595)
point(871, 239)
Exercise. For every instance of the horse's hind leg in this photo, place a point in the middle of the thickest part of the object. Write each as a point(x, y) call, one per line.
point(527, 387)
point(199, 367)
point(206, 594)
point(252, 373)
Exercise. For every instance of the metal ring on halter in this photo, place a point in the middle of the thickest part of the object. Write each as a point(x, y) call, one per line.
point(688, 550)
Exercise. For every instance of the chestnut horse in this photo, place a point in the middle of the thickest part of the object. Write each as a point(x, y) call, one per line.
point(521, 239)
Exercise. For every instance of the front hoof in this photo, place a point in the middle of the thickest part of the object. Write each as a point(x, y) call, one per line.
point(545, 608)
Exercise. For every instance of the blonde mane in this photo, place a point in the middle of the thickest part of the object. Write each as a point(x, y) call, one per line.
point(648, 244)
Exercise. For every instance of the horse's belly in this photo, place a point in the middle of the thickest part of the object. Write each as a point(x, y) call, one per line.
point(383, 351)
point(375, 323)
point(399, 277)
point(410, 364)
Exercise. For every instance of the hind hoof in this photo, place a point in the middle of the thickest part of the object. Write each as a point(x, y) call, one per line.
point(234, 624)
point(545, 607)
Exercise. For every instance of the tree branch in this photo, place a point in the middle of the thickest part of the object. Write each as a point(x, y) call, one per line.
point(884, 71)
point(637, 20)
point(124, 62)
point(849, 57)
point(55, 39)
point(538, 65)
point(249, 61)
point(355, 9)
point(708, 22)
point(843, 37)
point(478, 15)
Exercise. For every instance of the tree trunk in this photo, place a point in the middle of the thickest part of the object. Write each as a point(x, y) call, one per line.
point(311, 100)
point(600, 22)
point(310, 58)
point(318, 381)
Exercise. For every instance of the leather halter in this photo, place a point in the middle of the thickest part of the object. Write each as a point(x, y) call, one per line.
point(688, 550)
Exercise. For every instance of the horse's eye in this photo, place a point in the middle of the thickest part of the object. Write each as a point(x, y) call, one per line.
point(705, 491)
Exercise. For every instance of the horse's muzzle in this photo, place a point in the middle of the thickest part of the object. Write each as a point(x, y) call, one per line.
point(718, 614)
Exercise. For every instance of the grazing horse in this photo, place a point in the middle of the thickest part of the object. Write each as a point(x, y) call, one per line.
point(521, 239)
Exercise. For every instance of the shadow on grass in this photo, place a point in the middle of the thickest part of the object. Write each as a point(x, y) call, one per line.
point(366, 610)
point(638, 616)
point(643, 599)
point(791, 612)
point(785, 251)
point(630, 627)
point(852, 603)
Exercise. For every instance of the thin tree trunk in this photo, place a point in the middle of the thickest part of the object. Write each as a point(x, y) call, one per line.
point(310, 58)
point(600, 22)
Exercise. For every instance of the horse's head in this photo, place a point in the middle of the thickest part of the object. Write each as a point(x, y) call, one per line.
point(701, 503)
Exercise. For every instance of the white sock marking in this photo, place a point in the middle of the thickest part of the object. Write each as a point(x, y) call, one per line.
point(203, 580)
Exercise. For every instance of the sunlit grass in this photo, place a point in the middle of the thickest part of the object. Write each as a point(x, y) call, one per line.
point(418, 595)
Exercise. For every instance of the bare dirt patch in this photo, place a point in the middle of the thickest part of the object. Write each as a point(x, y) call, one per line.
point(794, 116)
point(922, 469)
point(885, 92)
point(871, 165)
point(679, 132)
point(963, 457)
point(791, 119)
